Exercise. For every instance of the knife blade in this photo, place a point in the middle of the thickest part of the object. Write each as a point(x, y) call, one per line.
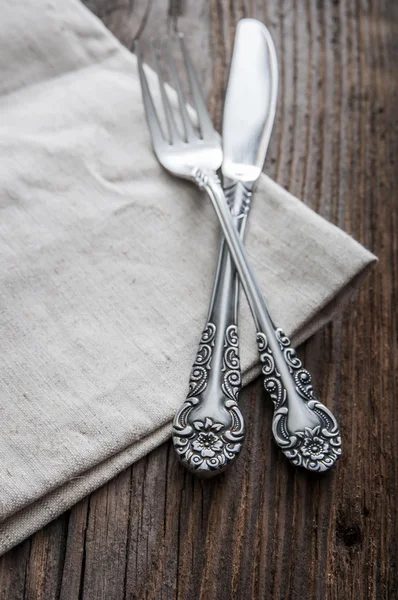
point(250, 103)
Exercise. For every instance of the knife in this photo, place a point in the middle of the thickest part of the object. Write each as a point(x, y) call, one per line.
point(208, 430)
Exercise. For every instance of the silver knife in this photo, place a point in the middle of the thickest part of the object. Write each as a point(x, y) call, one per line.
point(208, 430)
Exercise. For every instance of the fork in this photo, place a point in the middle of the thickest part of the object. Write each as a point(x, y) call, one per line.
point(305, 430)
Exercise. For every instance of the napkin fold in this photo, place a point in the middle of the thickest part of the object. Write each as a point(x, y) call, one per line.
point(106, 266)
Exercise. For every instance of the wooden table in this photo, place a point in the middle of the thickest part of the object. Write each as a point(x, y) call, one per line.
point(264, 530)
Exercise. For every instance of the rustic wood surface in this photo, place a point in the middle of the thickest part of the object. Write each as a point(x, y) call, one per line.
point(265, 530)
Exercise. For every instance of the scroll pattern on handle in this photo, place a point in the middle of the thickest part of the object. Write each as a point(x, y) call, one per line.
point(244, 194)
point(206, 445)
point(314, 448)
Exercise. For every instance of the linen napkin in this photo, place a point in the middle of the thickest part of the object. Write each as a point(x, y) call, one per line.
point(106, 265)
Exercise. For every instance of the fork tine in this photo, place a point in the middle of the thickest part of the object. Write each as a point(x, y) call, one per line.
point(206, 126)
point(186, 121)
point(150, 111)
point(174, 136)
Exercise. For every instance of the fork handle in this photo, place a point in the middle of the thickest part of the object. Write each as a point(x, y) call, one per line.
point(208, 429)
point(303, 428)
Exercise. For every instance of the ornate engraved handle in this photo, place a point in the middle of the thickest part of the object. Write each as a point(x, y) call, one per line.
point(305, 430)
point(208, 430)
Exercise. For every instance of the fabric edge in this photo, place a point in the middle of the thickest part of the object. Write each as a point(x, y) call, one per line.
point(37, 515)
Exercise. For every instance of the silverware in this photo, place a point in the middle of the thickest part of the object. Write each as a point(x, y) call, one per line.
point(305, 429)
point(208, 430)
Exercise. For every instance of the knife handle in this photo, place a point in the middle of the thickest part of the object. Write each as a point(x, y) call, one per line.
point(208, 430)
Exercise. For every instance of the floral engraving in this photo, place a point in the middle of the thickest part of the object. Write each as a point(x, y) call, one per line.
point(206, 446)
point(313, 445)
point(208, 442)
point(315, 448)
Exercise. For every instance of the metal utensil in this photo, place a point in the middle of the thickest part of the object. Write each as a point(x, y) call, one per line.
point(209, 421)
point(305, 429)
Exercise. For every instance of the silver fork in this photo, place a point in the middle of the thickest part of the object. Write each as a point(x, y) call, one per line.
point(304, 429)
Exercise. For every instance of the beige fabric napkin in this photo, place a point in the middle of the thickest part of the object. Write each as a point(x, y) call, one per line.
point(106, 264)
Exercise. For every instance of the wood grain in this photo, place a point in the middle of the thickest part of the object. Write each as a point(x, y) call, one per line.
point(264, 530)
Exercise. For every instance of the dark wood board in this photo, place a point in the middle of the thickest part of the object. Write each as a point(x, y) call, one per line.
point(264, 530)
